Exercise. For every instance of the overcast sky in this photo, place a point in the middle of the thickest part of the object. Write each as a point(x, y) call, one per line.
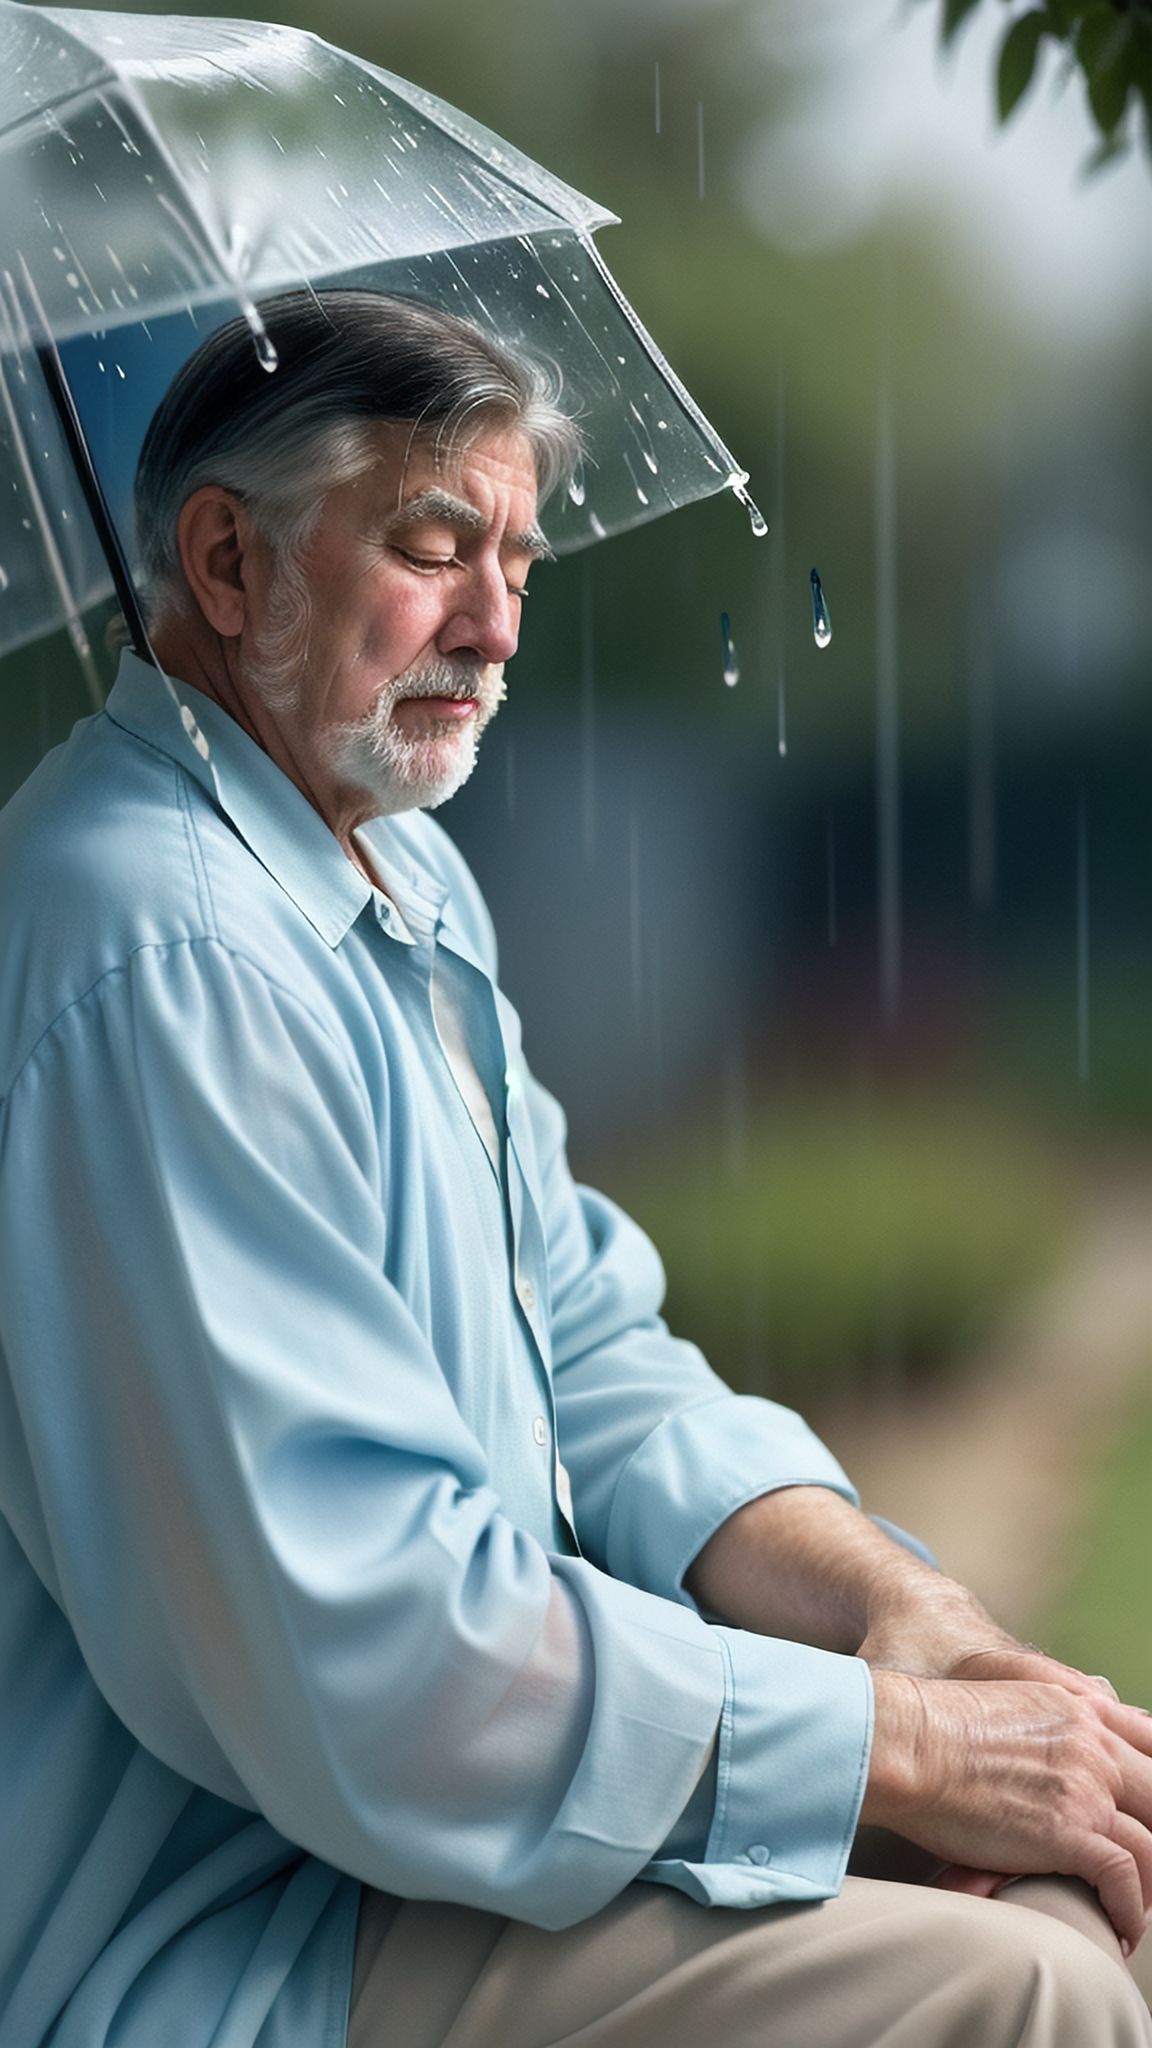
point(881, 115)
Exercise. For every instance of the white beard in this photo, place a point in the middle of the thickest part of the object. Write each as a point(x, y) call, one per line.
point(402, 773)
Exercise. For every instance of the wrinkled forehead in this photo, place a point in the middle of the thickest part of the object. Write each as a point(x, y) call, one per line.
point(464, 485)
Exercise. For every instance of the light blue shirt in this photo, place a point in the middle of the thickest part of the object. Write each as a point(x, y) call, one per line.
point(287, 1598)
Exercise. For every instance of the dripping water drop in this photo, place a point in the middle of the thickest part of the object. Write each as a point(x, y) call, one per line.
point(821, 623)
point(736, 484)
point(731, 666)
point(266, 354)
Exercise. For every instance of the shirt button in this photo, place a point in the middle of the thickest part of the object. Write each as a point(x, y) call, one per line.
point(540, 1430)
point(527, 1293)
point(757, 1853)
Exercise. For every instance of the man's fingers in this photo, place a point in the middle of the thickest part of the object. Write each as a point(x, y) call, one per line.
point(1136, 1841)
point(1113, 1870)
point(1132, 1724)
point(979, 1884)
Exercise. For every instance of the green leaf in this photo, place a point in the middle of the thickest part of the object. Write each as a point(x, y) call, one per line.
point(955, 11)
point(1106, 152)
point(1105, 48)
point(1018, 54)
point(1064, 15)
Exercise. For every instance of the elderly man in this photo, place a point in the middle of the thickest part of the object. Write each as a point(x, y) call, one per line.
point(404, 1639)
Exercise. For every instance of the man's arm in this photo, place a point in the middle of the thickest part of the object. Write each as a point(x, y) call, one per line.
point(984, 1751)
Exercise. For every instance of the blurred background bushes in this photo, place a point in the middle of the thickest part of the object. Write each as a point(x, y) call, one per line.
point(690, 917)
point(835, 1244)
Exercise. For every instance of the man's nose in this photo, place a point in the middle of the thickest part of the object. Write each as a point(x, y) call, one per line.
point(486, 620)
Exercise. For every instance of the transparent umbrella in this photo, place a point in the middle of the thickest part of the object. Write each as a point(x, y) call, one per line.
point(162, 173)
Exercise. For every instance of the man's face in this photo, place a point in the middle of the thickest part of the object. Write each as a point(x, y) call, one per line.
point(414, 576)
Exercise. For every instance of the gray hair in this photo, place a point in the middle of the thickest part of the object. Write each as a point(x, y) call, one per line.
point(348, 362)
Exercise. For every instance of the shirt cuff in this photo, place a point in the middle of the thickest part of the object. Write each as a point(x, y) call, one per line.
point(695, 1470)
point(792, 1762)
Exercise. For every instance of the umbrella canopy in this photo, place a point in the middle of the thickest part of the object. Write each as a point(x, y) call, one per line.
point(161, 174)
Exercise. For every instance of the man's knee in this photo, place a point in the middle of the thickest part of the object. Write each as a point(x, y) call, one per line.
point(1027, 1974)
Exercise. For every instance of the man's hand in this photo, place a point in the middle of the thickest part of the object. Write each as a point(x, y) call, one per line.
point(931, 1627)
point(1014, 1776)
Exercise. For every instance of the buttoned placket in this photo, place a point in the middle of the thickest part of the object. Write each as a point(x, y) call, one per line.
point(421, 918)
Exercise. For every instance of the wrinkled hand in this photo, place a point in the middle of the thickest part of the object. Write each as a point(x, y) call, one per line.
point(1012, 1776)
point(933, 1627)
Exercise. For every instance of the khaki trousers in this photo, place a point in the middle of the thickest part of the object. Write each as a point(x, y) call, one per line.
point(885, 1965)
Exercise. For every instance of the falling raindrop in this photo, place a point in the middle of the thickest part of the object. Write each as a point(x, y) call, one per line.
point(657, 99)
point(635, 921)
point(731, 666)
point(42, 718)
point(700, 147)
point(781, 726)
point(587, 717)
point(821, 623)
point(832, 925)
point(510, 775)
point(888, 862)
point(981, 763)
point(3, 577)
point(1082, 940)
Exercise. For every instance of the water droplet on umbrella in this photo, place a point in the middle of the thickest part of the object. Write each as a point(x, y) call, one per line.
point(3, 577)
point(544, 291)
point(576, 486)
point(821, 623)
point(759, 523)
point(731, 666)
point(598, 527)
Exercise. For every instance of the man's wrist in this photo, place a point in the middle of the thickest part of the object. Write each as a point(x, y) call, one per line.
point(895, 1766)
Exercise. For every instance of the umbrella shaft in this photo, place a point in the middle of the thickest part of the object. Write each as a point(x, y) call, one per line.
point(61, 395)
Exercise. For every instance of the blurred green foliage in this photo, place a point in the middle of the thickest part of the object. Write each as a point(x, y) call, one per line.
point(833, 1243)
point(1103, 1619)
point(1108, 41)
point(999, 433)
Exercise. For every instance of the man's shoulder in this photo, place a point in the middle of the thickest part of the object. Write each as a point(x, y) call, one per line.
point(109, 846)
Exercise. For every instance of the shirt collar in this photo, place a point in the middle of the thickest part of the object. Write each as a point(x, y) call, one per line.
point(272, 817)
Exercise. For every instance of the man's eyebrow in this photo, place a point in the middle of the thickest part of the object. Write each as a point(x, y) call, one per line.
point(437, 507)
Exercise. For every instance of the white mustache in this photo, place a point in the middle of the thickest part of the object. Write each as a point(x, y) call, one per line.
point(438, 680)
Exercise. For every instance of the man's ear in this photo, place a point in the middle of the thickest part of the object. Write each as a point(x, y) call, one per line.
point(218, 545)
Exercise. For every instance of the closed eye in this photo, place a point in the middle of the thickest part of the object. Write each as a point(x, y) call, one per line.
point(429, 565)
